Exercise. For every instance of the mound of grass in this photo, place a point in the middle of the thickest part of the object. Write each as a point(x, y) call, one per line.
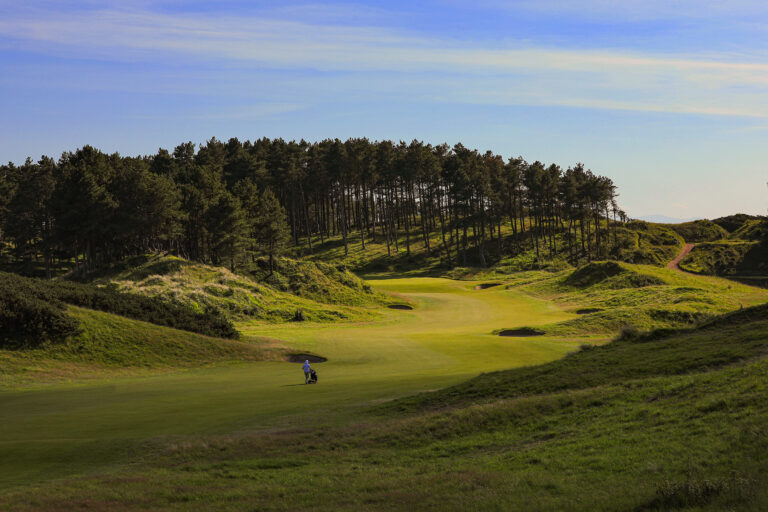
point(207, 321)
point(611, 275)
point(753, 230)
point(698, 231)
point(743, 254)
point(321, 292)
point(728, 258)
point(716, 258)
point(107, 344)
point(317, 281)
point(643, 296)
point(735, 222)
point(646, 243)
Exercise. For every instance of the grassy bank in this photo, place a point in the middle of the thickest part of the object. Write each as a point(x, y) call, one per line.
point(321, 292)
point(109, 346)
point(667, 422)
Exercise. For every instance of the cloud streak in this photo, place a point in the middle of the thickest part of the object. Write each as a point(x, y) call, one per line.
point(503, 74)
point(636, 10)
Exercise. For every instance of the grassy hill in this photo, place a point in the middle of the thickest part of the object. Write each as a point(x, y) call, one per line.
point(700, 231)
point(110, 345)
point(668, 421)
point(633, 242)
point(113, 338)
point(322, 292)
point(609, 296)
point(743, 254)
point(421, 409)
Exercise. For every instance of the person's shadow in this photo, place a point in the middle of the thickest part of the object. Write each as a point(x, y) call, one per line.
point(291, 385)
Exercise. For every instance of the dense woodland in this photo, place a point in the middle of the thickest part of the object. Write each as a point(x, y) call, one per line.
point(226, 203)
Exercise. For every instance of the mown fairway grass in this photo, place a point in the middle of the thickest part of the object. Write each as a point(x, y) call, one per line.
point(81, 427)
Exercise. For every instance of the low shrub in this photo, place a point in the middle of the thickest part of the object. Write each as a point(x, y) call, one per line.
point(28, 322)
point(628, 332)
point(698, 493)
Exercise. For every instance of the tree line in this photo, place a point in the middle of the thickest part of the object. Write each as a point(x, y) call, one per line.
point(226, 202)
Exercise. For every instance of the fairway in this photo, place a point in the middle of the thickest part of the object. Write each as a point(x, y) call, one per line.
point(71, 429)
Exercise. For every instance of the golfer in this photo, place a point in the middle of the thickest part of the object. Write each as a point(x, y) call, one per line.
point(307, 369)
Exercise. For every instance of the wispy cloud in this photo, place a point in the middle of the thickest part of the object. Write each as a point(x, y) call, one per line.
point(504, 74)
point(637, 10)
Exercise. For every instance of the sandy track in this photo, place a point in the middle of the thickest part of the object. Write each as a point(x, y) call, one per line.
point(675, 263)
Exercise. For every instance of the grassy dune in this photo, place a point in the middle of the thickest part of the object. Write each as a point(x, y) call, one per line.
point(321, 291)
point(613, 295)
point(111, 346)
point(659, 418)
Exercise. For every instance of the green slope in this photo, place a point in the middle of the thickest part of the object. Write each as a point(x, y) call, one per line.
point(80, 428)
point(608, 296)
point(322, 292)
point(111, 345)
point(674, 421)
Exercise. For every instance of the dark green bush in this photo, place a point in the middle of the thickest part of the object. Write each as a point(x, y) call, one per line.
point(155, 310)
point(27, 322)
point(698, 493)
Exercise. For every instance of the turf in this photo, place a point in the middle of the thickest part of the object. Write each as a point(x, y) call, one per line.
point(648, 423)
point(686, 431)
point(110, 345)
point(70, 429)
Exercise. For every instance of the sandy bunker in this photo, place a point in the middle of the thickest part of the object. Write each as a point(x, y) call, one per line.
point(587, 311)
point(484, 286)
point(522, 332)
point(400, 306)
point(300, 358)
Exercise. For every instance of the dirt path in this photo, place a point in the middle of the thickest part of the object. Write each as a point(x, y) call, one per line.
point(675, 263)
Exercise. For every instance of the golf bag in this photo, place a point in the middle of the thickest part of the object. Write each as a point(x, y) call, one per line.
point(312, 376)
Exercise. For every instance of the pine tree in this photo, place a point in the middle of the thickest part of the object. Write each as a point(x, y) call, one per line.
point(226, 227)
point(272, 231)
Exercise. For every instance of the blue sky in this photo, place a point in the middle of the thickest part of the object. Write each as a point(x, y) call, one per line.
point(669, 98)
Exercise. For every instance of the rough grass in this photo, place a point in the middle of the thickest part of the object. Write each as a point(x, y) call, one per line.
point(675, 422)
point(110, 345)
point(643, 296)
point(649, 422)
point(633, 242)
point(743, 254)
point(728, 258)
point(322, 292)
point(317, 281)
point(647, 243)
point(754, 229)
point(731, 339)
point(732, 223)
point(700, 231)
